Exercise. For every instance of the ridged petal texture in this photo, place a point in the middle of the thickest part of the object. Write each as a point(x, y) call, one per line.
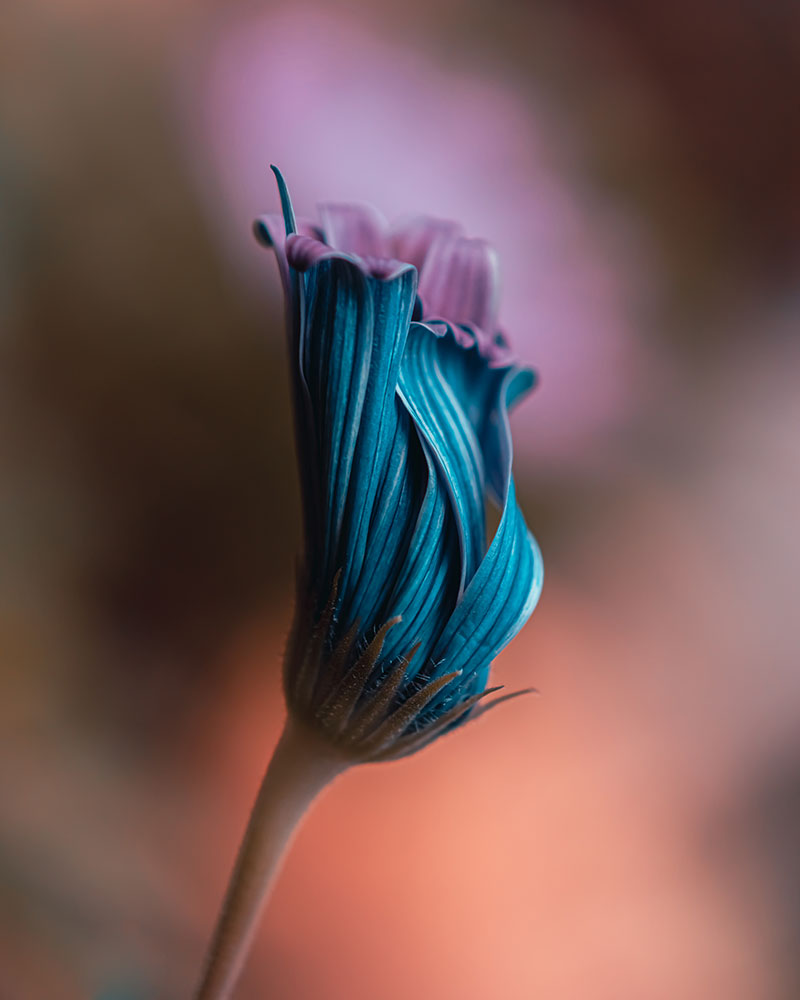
point(402, 433)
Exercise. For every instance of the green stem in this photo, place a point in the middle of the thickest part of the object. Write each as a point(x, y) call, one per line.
point(300, 768)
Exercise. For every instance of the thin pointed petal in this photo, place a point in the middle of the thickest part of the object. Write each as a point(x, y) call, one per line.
point(405, 715)
point(286, 202)
point(416, 741)
point(481, 710)
point(367, 718)
point(337, 662)
point(338, 708)
point(307, 671)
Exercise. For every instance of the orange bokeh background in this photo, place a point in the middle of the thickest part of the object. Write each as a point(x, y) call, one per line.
point(628, 834)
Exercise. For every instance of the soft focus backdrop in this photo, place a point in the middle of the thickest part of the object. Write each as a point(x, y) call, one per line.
point(632, 833)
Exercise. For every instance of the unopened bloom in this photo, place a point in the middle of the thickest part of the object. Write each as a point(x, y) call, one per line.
point(401, 385)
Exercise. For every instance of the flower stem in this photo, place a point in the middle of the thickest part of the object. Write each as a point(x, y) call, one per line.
point(300, 768)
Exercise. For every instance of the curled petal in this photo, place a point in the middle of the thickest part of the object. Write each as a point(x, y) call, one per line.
point(460, 281)
point(303, 252)
point(358, 229)
point(500, 588)
point(270, 231)
point(412, 239)
point(440, 417)
point(501, 596)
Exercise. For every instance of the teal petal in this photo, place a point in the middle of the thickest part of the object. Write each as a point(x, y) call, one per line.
point(430, 394)
point(500, 590)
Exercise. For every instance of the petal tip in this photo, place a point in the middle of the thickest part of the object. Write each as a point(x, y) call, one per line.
point(286, 201)
point(261, 233)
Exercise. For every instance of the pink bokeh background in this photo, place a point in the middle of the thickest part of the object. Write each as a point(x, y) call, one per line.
point(631, 833)
point(350, 115)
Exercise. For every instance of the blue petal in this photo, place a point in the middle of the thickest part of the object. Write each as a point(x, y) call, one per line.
point(305, 441)
point(335, 348)
point(442, 421)
point(427, 586)
point(386, 530)
point(352, 335)
point(502, 590)
point(503, 593)
point(381, 451)
point(286, 202)
point(500, 598)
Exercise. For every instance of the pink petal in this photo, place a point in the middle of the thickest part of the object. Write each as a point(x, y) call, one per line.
point(270, 231)
point(459, 281)
point(358, 229)
point(303, 252)
point(411, 240)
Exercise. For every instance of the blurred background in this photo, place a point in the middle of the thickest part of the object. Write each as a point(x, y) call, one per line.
point(631, 834)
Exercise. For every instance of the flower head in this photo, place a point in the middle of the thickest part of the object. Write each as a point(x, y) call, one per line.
point(401, 387)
